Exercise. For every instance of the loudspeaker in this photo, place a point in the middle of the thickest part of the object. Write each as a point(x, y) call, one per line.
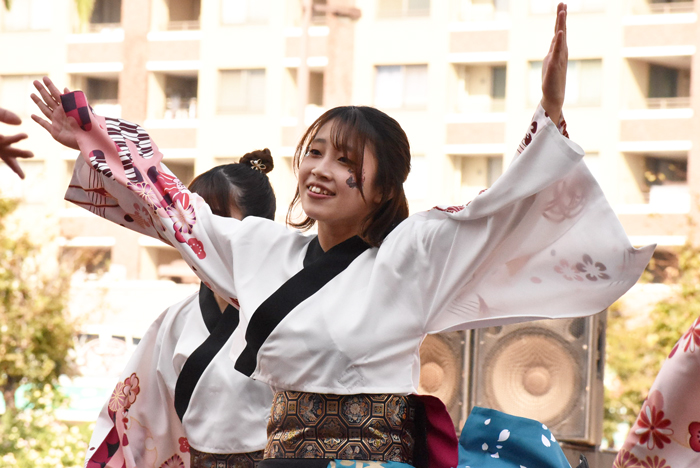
point(549, 370)
point(444, 371)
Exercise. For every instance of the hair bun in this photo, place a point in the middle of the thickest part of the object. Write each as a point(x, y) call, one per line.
point(260, 160)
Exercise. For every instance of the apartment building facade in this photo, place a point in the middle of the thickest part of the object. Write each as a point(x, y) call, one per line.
point(213, 79)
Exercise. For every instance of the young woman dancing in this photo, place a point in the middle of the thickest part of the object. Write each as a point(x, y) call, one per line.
point(177, 403)
point(336, 326)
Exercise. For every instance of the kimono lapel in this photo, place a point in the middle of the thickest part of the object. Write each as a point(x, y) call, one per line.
point(220, 326)
point(319, 269)
point(211, 314)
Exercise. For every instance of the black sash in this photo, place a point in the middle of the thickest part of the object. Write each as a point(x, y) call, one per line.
point(315, 274)
point(220, 326)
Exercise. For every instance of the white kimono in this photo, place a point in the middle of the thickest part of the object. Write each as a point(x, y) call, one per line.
point(139, 426)
point(541, 243)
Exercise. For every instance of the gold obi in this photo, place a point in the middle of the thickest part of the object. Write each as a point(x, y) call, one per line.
point(345, 427)
point(224, 460)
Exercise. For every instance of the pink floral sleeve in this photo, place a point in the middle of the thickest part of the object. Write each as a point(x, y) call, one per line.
point(121, 178)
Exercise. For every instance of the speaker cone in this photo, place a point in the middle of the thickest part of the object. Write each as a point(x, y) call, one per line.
point(533, 375)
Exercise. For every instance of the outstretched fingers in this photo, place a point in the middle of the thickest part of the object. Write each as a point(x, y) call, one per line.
point(55, 93)
point(42, 106)
point(46, 96)
point(11, 152)
point(9, 118)
point(10, 140)
point(44, 123)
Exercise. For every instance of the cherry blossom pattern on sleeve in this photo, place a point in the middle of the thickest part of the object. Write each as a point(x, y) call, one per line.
point(691, 338)
point(123, 397)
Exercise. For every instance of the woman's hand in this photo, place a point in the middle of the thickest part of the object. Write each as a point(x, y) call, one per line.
point(554, 69)
point(59, 125)
point(7, 152)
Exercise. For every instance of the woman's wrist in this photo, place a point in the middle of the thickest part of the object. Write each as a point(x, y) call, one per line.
point(553, 110)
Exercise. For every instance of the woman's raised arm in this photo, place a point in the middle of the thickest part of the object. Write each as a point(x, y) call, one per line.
point(119, 176)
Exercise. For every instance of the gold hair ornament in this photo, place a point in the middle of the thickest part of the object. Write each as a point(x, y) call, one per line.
point(258, 165)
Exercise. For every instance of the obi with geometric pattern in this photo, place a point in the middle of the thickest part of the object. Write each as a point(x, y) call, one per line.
point(224, 460)
point(378, 427)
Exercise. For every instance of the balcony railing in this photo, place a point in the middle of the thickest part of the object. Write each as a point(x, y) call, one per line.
point(674, 195)
point(646, 8)
point(180, 108)
point(481, 104)
point(107, 107)
point(99, 27)
point(191, 25)
point(668, 103)
point(96, 28)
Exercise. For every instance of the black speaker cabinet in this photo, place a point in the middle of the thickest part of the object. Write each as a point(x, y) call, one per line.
point(549, 370)
point(444, 371)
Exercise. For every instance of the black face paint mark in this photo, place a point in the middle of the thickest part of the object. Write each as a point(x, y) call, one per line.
point(352, 183)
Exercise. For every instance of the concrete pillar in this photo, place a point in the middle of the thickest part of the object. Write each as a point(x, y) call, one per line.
point(133, 80)
point(337, 81)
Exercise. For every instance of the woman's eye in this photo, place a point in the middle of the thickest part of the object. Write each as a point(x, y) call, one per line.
point(313, 152)
point(344, 160)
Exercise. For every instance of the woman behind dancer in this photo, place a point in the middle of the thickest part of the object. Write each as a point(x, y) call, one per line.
point(177, 393)
point(336, 326)
point(667, 431)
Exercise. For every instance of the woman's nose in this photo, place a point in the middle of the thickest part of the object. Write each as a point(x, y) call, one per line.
point(321, 169)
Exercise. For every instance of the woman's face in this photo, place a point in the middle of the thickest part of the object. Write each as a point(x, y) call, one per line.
point(328, 185)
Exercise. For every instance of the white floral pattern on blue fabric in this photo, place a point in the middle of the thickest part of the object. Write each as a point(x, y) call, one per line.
point(491, 439)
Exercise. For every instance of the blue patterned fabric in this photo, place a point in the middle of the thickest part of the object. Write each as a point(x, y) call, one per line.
point(366, 464)
point(491, 439)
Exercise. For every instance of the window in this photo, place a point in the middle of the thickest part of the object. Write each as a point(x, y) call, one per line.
point(574, 6)
point(663, 82)
point(183, 170)
point(660, 171)
point(398, 8)
point(180, 97)
point(318, 16)
point(667, 182)
point(28, 15)
point(483, 10)
point(316, 88)
point(244, 11)
point(107, 12)
point(241, 91)
point(480, 88)
point(183, 14)
point(99, 89)
point(584, 82)
point(15, 91)
point(401, 87)
point(476, 174)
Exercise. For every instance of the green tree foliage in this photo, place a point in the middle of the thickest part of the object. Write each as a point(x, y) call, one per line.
point(32, 437)
point(84, 8)
point(36, 334)
point(36, 337)
point(635, 353)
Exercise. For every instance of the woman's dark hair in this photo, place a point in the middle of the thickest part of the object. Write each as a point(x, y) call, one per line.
point(243, 184)
point(354, 128)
